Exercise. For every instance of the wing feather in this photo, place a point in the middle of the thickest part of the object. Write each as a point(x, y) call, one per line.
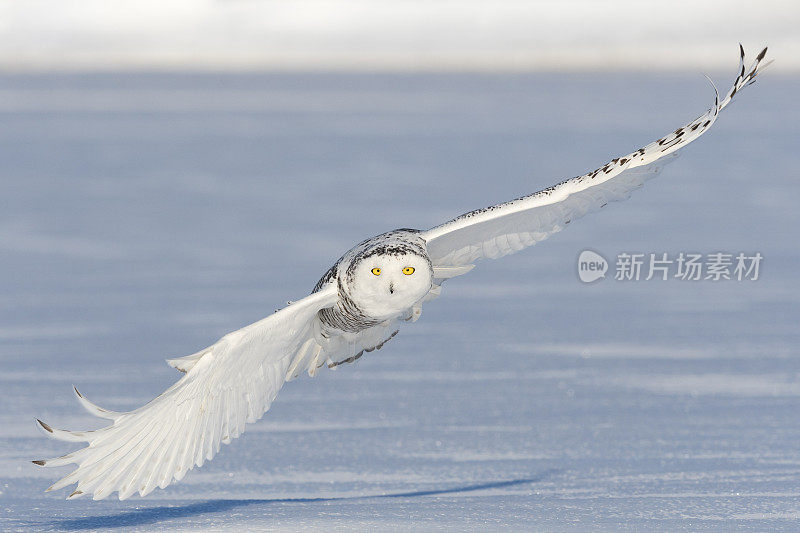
point(93, 409)
point(233, 383)
point(506, 228)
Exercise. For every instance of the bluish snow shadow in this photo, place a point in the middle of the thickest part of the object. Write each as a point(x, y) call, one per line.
point(153, 515)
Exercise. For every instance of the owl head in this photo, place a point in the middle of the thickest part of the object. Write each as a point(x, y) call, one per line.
point(387, 279)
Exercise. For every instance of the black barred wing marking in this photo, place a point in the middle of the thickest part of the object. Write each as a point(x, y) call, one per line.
point(509, 227)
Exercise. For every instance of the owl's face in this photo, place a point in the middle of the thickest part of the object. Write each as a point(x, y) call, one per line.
point(384, 285)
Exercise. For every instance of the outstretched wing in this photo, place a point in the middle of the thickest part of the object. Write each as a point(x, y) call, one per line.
point(228, 384)
point(509, 227)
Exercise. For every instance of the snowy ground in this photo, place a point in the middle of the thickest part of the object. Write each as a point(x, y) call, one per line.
point(143, 216)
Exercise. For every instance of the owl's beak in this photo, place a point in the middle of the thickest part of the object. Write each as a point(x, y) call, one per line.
point(391, 288)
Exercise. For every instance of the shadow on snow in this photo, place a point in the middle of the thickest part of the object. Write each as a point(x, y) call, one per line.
point(152, 515)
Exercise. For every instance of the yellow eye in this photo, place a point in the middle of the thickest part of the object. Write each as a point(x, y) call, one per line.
point(408, 271)
point(376, 271)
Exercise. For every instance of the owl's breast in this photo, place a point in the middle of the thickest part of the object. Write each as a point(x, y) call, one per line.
point(346, 316)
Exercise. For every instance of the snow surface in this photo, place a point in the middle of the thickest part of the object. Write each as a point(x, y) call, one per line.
point(144, 216)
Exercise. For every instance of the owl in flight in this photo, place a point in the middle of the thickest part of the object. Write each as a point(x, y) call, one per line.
point(356, 307)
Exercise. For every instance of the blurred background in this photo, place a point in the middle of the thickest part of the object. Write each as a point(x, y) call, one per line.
point(383, 35)
point(172, 171)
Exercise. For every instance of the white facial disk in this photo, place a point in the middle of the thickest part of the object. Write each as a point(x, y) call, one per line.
point(383, 286)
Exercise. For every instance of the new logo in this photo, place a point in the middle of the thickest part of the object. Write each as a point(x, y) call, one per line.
point(591, 266)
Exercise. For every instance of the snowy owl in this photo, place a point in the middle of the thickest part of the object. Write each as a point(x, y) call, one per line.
point(355, 308)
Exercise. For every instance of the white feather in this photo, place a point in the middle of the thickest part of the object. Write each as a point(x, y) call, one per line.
point(234, 382)
point(509, 227)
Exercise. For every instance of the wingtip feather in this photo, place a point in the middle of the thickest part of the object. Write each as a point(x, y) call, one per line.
point(714, 86)
point(93, 408)
point(72, 457)
point(61, 434)
point(44, 427)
